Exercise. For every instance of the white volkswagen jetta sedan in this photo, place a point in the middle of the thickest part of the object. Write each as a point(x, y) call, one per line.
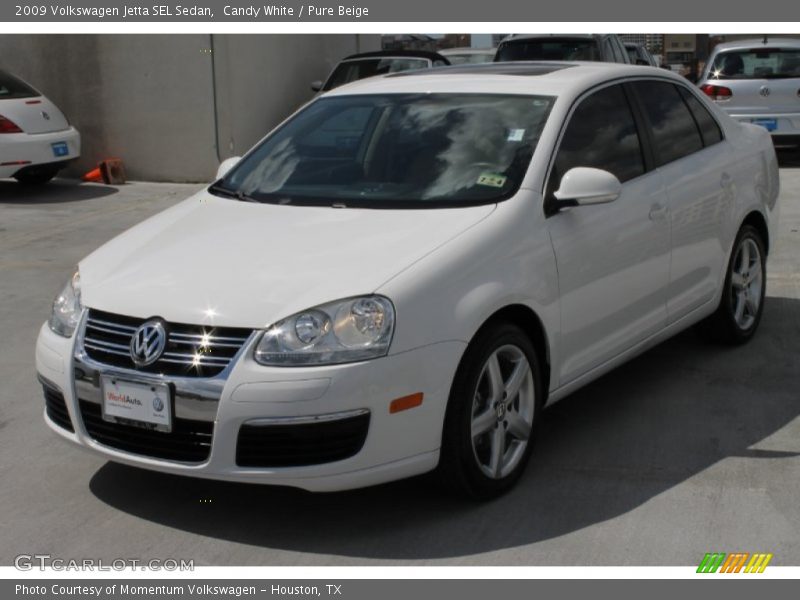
point(36, 140)
point(403, 274)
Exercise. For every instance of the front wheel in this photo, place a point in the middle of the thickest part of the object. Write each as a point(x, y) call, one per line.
point(492, 413)
point(739, 313)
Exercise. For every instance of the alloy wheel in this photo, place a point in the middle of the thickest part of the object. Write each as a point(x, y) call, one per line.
point(747, 281)
point(502, 411)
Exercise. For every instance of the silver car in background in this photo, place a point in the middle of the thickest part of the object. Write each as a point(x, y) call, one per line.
point(758, 81)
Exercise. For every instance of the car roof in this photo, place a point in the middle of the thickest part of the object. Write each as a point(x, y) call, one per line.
point(535, 36)
point(396, 53)
point(555, 78)
point(758, 42)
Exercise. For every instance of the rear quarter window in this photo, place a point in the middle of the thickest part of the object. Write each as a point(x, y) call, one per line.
point(709, 128)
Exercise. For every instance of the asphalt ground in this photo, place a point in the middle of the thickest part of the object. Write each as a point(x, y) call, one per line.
point(689, 448)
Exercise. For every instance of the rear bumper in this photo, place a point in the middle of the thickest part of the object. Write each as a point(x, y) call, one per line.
point(22, 151)
point(786, 125)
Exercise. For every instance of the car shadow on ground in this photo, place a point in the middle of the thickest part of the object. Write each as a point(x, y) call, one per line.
point(55, 192)
point(604, 451)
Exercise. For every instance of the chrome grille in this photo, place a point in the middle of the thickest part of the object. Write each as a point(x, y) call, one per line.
point(191, 350)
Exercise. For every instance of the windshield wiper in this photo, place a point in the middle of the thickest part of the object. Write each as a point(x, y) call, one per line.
point(223, 191)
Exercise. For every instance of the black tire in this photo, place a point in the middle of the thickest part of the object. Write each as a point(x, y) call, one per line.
point(459, 467)
point(723, 326)
point(36, 176)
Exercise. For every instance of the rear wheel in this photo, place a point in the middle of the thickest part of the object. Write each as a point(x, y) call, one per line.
point(36, 175)
point(492, 413)
point(742, 302)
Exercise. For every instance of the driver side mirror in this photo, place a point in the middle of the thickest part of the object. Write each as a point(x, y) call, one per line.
point(643, 62)
point(226, 165)
point(316, 86)
point(585, 186)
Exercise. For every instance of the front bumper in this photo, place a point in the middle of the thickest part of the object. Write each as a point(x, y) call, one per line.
point(23, 150)
point(396, 445)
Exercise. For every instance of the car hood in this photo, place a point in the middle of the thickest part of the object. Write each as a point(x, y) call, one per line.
point(223, 262)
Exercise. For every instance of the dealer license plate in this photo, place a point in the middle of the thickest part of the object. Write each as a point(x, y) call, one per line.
point(135, 403)
point(60, 149)
point(768, 124)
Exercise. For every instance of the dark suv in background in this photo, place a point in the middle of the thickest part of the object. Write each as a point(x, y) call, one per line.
point(590, 47)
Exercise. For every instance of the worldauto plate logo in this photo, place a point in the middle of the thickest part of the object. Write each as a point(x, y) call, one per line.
point(125, 399)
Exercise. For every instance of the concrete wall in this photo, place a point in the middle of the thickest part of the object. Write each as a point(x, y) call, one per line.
point(150, 99)
point(261, 79)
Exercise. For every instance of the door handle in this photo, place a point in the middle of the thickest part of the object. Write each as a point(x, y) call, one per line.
point(658, 212)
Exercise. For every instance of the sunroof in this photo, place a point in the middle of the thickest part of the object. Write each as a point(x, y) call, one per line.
point(522, 69)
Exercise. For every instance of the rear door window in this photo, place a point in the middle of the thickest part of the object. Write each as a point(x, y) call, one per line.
point(674, 129)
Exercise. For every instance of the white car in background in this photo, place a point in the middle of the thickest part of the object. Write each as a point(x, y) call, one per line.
point(36, 140)
point(758, 81)
point(468, 56)
point(402, 275)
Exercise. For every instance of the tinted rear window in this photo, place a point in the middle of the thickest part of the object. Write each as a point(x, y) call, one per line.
point(549, 49)
point(756, 63)
point(11, 87)
point(354, 70)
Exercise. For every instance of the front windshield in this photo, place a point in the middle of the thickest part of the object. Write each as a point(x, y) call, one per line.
point(549, 49)
point(353, 70)
point(395, 150)
point(756, 63)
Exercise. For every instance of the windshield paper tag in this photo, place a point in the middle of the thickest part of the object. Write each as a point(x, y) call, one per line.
point(492, 180)
point(515, 135)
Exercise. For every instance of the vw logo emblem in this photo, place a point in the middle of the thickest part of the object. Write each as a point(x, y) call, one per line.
point(764, 91)
point(158, 404)
point(46, 116)
point(148, 343)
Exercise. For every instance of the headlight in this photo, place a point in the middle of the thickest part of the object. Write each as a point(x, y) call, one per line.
point(67, 308)
point(343, 331)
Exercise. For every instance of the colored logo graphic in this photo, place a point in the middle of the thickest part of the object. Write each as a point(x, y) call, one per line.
point(736, 562)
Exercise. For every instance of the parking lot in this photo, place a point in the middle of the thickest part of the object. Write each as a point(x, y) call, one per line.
point(689, 448)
